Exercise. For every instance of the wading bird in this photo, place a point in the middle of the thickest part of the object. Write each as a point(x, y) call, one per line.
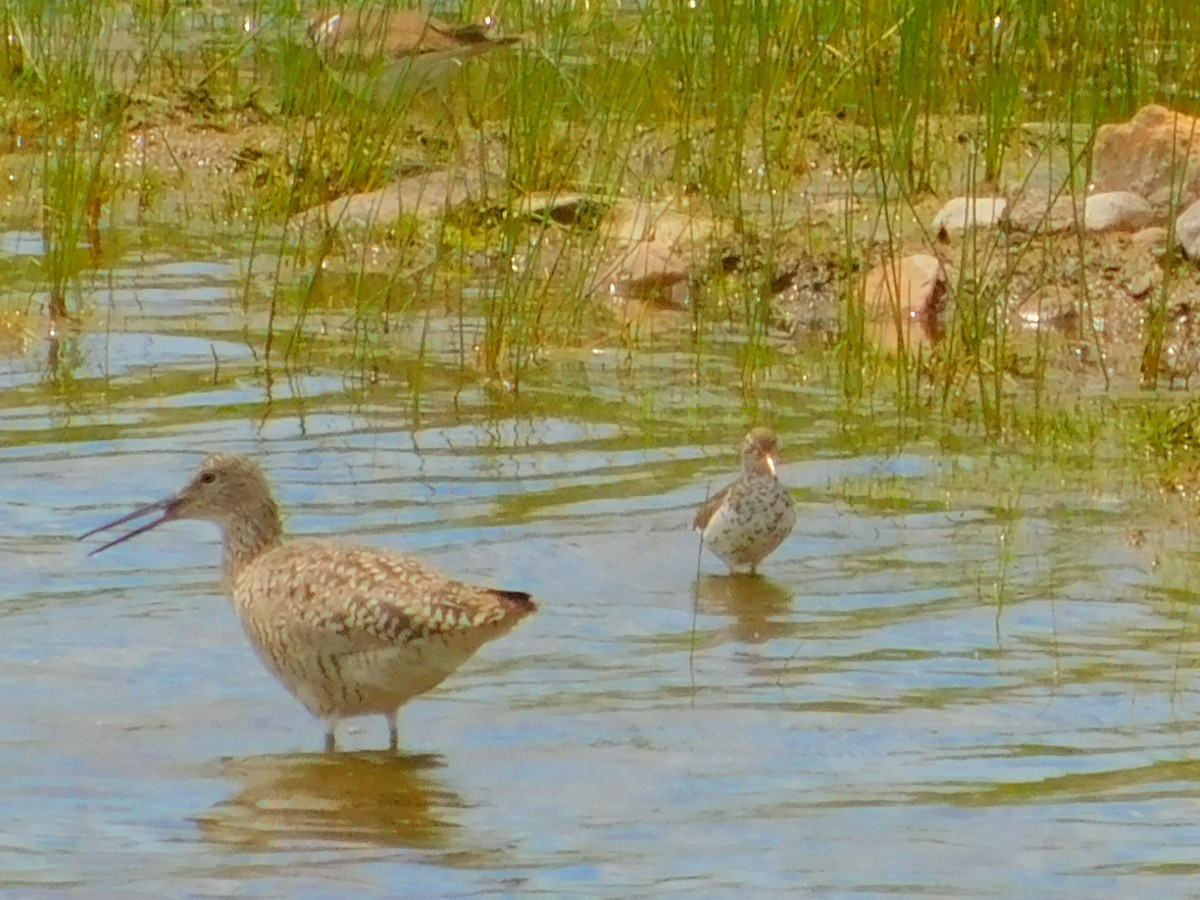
point(382, 53)
point(748, 519)
point(350, 631)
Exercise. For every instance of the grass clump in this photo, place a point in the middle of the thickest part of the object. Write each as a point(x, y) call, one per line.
point(755, 111)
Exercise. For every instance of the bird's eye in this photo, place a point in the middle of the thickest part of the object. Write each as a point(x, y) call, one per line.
point(208, 477)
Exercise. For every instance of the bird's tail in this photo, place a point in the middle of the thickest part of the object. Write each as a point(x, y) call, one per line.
point(516, 602)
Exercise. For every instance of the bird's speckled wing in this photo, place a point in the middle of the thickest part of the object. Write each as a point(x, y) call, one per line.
point(705, 513)
point(411, 34)
point(398, 32)
point(339, 599)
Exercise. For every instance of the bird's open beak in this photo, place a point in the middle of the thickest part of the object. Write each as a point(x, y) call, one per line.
point(769, 459)
point(166, 507)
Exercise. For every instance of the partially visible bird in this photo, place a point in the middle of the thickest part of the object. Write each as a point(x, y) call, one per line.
point(350, 631)
point(379, 53)
point(748, 519)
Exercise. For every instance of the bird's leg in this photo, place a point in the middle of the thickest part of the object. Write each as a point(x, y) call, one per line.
point(330, 739)
point(393, 730)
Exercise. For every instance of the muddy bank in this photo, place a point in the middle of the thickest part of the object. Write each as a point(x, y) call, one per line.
point(818, 249)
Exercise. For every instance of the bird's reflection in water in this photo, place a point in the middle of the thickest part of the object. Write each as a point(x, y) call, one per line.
point(758, 606)
point(380, 799)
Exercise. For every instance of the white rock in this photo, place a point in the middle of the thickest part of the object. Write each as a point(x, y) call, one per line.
point(962, 213)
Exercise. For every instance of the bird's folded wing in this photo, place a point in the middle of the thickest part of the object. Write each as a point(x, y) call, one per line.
point(337, 599)
point(705, 513)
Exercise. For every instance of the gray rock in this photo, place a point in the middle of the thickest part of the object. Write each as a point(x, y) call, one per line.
point(1052, 306)
point(1043, 212)
point(1152, 238)
point(425, 196)
point(1187, 231)
point(1154, 154)
point(1117, 211)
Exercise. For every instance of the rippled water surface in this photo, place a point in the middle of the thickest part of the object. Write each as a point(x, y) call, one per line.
point(954, 679)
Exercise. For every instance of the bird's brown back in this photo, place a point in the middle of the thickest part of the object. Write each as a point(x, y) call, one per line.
point(342, 599)
point(399, 33)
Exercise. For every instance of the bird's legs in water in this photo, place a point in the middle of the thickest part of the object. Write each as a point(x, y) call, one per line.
point(393, 733)
point(393, 730)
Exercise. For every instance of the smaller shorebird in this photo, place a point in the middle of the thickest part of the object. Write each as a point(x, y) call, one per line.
point(379, 53)
point(746, 520)
point(350, 631)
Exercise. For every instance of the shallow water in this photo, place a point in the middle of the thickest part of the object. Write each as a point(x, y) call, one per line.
point(866, 718)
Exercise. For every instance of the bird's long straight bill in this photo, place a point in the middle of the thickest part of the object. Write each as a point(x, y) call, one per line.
point(162, 506)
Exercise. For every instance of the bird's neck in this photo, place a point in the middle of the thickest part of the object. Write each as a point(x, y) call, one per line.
point(248, 537)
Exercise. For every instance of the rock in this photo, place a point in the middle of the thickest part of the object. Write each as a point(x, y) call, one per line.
point(1117, 211)
point(1152, 238)
point(903, 299)
point(962, 213)
point(646, 269)
point(651, 247)
point(1042, 212)
point(564, 208)
point(1151, 155)
point(1052, 306)
point(1187, 231)
point(428, 195)
point(1140, 284)
point(805, 301)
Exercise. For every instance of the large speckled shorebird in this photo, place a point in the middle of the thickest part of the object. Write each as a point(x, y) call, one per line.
point(746, 520)
point(350, 631)
point(377, 52)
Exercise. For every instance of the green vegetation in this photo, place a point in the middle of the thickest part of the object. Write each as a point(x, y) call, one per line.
point(219, 120)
